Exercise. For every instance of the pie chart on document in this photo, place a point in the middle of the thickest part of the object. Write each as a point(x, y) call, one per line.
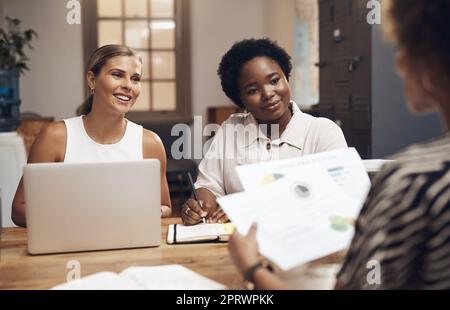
point(270, 178)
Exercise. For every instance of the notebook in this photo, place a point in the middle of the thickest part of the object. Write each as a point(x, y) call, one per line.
point(165, 277)
point(179, 233)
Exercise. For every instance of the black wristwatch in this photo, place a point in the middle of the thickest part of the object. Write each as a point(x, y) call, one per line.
point(250, 273)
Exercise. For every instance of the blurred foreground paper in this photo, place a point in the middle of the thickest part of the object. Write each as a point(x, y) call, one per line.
point(344, 166)
point(301, 217)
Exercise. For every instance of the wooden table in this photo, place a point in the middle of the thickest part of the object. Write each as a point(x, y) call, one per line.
point(19, 270)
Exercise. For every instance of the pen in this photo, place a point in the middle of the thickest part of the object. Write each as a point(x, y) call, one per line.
point(194, 192)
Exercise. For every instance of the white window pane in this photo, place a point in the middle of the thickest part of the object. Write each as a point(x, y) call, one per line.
point(143, 101)
point(136, 34)
point(136, 8)
point(163, 34)
point(109, 8)
point(162, 8)
point(163, 65)
point(109, 32)
point(164, 96)
point(145, 56)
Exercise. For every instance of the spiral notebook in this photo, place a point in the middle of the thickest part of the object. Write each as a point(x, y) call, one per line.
point(179, 233)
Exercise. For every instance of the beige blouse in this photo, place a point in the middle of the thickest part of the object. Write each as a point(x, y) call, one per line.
point(240, 141)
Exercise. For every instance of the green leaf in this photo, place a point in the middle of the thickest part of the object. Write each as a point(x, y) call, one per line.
point(12, 44)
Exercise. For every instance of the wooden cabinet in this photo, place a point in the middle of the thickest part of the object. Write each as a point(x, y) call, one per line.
point(30, 127)
point(345, 69)
point(217, 115)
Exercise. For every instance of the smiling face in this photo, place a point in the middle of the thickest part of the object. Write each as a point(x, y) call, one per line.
point(117, 86)
point(264, 90)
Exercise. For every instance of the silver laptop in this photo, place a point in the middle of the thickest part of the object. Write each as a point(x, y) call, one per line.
point(92, 206)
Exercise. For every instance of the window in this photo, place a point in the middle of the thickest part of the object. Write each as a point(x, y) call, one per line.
point(159, 31)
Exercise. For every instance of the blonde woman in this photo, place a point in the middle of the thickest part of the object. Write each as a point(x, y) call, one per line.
point(101, 133)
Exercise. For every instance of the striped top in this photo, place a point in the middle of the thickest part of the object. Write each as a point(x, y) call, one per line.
point(402, 236)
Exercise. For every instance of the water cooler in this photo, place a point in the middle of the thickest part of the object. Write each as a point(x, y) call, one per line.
point(12, 149)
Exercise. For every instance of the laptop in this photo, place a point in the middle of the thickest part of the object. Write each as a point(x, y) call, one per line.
point(92, 206)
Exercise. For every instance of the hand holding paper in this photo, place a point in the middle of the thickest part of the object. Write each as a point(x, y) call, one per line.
point(244, 249)
point(301, 217)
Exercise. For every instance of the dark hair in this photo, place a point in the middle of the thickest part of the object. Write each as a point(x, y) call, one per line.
point(243, 51)
point(97, 61)
point(421, 28)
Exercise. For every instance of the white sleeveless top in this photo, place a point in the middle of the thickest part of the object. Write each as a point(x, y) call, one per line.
point(81, 148)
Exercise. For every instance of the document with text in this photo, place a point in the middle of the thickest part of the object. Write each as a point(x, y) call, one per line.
point(344, 166)
point(301, 217)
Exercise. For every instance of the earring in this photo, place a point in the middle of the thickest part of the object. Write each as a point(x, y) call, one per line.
point(92, 91)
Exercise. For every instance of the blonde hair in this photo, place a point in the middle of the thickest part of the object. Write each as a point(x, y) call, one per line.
point(97, 61)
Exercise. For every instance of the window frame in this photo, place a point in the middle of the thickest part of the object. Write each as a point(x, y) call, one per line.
point(183, 111)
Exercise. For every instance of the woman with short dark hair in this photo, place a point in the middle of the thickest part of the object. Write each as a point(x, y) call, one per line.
point(255, 75)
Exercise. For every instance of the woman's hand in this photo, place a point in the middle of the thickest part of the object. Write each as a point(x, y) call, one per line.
point(244, 249)
point(192, 214)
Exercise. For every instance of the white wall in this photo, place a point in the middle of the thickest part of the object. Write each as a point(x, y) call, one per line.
point(278, 22)
point(54, 84)
point(215, 26)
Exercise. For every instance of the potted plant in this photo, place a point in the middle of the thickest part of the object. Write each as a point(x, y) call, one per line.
point(13, 63)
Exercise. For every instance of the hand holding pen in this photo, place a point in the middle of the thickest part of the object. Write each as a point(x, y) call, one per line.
point(194, 193)
point(194, 210)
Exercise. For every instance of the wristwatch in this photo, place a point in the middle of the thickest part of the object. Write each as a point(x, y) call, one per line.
point(249, 275)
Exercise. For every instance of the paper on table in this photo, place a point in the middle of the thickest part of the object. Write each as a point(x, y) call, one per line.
point(165, 277)
point(100, 281)
point(344, 166)
point(170, 277)
point(301, 217)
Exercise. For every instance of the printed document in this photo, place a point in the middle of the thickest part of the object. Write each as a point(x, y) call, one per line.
point(303, 216)
point(344, 166)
